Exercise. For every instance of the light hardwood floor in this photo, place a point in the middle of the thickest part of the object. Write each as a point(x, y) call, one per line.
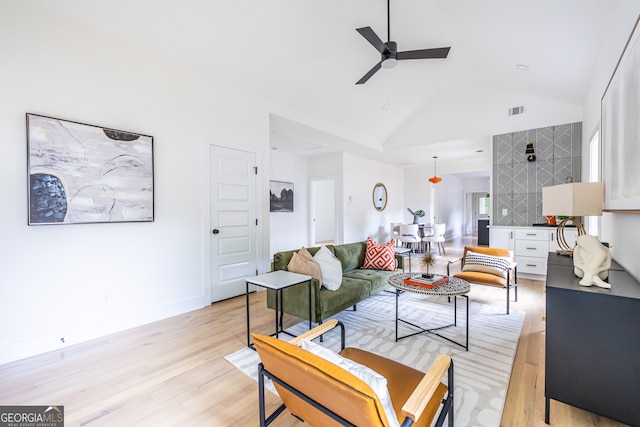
point(173, 372)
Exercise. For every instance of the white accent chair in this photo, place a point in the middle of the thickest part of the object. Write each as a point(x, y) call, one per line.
point(409, 236)
point(436, 237)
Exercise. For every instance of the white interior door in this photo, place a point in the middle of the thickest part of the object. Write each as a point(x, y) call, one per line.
point(233, 220)
point(323, 211)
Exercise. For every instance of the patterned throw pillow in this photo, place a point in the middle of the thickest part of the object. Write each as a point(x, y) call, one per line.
point(302, 262)
point(380, 257)
point(486, 264)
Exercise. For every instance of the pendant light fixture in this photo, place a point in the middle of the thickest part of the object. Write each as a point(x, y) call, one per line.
point(435, 178)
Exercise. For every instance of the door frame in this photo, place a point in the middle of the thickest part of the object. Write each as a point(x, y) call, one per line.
point(469, 222)
point(261, 187)
point(312, 203)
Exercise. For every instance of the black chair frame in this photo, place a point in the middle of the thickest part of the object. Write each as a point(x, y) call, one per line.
point(510, 285)
point(263, 373)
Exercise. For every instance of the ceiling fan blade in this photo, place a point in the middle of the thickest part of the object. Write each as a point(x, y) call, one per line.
point(370, 73)
point(373, 38)
point(440, 52)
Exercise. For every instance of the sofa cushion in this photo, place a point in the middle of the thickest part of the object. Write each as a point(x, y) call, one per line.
point(351, 292)
point(351, 255)
point(330, 269)
point(378, 279)
point(482, 278)
point(380, 257)
point(302, 262)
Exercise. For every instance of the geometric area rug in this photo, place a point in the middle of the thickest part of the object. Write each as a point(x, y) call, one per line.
point(481, 374)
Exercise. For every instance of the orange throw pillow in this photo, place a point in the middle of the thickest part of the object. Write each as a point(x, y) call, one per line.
point(380, 257)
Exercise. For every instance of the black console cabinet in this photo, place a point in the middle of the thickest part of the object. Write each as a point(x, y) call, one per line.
point(593, 343)
point(483, 232)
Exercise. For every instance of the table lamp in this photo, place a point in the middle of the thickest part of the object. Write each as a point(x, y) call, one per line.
point(572, 200)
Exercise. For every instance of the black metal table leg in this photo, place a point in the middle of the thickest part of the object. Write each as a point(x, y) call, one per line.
point(309, 304)
point(397, 297)
point(433, 331)
point(547, 404)
point(248, 334)
point(278, 305)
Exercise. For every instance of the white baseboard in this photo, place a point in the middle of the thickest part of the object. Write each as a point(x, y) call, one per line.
point(83, 332)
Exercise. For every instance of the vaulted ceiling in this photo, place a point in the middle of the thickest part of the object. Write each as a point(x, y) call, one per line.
point(307, 55)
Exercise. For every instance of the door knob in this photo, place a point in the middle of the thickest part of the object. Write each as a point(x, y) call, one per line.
point(215, 231)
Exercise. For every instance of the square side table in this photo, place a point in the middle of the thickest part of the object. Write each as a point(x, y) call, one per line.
point(277, 281)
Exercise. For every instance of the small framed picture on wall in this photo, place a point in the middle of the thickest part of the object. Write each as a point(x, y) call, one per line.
point(281, 196)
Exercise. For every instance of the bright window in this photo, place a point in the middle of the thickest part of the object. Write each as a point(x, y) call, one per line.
point(483, 205)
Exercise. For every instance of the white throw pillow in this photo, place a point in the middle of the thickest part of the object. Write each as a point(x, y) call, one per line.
point(330, 268)
point(377, 382)
point(474, 261)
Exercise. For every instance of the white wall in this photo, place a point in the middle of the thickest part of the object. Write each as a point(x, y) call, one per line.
point(417, 194)
point(324, 215)
point(480, 110)
point(289, 230)
point(355, 217)
point(622, 231)
point(84, 281)
point(361, 220)
point(450, 203)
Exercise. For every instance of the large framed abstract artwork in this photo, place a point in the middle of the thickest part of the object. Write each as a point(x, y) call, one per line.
point(281, 196)
point(620, 133)
point(81, 173)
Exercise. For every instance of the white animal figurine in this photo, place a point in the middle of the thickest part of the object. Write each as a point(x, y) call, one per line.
point(591, 260)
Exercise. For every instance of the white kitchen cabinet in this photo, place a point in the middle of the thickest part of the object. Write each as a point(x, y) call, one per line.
point(531, 246)
point(500, 237)
point(570, 235)
point(531, 250)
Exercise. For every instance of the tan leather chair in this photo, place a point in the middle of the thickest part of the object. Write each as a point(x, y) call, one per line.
point(481, 278)
point(324, 394)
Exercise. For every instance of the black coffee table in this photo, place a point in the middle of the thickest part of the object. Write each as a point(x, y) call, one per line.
point(453, 288)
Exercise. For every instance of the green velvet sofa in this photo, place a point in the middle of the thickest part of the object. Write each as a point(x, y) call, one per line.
point(357, 284)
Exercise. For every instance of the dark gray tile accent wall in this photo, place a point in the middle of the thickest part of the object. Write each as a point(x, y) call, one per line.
point(517, 183)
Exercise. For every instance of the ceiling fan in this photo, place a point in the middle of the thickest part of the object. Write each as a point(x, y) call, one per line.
point(389, 50)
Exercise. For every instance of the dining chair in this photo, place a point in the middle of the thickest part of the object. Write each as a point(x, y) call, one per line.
point(409, 236)
point(436, 237)
point(425, 231)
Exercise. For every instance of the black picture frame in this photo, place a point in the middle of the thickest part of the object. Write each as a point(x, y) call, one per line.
point(80, 173)
point(280, 196)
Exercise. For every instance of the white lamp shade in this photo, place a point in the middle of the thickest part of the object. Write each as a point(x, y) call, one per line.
point(574, 199)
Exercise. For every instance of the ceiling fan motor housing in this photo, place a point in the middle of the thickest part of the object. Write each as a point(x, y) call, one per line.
point(389, 56)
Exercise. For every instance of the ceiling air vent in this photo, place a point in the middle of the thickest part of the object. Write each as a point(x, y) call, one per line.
point(516, 110)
